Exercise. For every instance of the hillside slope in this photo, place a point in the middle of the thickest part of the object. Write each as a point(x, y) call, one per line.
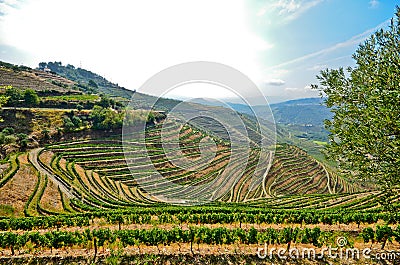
point(91, 172)
point(24, 78)
point(94, 81)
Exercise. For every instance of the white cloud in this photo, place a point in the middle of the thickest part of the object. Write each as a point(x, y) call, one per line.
point(286, 10)
point(294, 89)
point(300, 91)
point(275, 82)
point(317, 67)
point(279, 72)
point(373, 3)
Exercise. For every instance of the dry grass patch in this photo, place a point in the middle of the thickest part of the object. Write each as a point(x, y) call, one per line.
point(17, 191)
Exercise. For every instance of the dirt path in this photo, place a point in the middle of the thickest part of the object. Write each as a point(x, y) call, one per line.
point(327, 176)
point(34, 160)
point(264, 183)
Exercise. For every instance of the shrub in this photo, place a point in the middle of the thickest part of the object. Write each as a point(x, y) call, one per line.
point(8, 131)
point(2, 138)
point(31, 98)
point(9, 139)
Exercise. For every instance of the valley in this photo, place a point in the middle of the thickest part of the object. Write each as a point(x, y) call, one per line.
point(75, 186)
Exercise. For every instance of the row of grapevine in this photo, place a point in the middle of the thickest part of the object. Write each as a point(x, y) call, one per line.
point(193, 235)
point(200, 215)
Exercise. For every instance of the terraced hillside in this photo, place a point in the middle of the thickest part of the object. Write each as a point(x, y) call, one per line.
point(88, 175)
point(107, 173)
point(296, 172)
point(33, 79)
point(92, 174)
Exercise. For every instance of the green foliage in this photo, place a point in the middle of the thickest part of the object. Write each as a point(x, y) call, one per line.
point(24, 144)
point(9, 139)
point(31, 98)
point(6, 176)
point(87, 80)
point(155, 237)
point(76, 121)
point(14, 95)
point(8, 131)
point(368, 235)
point(201, 215)
point(68, 124)
point(83, 97)
point(365, 130)
point(6, 210)
point(14, 67)
point(136, 117)
point(71, 122)
point(105, 102)
point(3, 100)
point(105, 118)
point(22, 140)
point(384, 234)
point(93, 84)
point(22, 136)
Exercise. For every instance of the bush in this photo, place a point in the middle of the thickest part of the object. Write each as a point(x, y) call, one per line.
point(105, 102)
point(2, 138)
point(9, 139)
point(68, 124)
point(31, 98)
point(14, 95)
point(24, 143)
point(22, 136)
point(106, 118)
point(76, 121)
point(8, 131)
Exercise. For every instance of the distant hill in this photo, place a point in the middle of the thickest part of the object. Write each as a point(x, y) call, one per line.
point(303, 118)
point(306, 111)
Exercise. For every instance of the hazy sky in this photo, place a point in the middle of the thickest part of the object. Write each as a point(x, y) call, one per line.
point(280, 44)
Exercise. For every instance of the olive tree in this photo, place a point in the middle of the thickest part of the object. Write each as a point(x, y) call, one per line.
point(365, 100)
